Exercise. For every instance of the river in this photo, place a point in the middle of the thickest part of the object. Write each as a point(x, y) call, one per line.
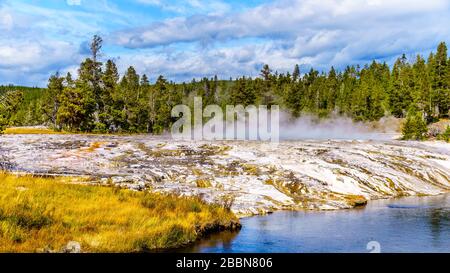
point(411, 224)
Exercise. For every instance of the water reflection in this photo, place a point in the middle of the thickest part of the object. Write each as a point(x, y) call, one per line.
point(413, 224)
point(222, 240)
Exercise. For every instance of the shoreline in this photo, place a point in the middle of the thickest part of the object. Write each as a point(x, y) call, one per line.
point(58, 214)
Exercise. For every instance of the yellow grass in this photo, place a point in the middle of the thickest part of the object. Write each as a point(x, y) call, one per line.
point(48, 131)
point(203, 183)
point(44, 214)
point(356, 200)
point(30, 131)
point(94, 146)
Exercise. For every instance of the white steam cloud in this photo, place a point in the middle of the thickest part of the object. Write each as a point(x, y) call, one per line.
point(336, 127)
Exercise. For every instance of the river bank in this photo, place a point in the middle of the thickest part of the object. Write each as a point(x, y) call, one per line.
point(61, 215)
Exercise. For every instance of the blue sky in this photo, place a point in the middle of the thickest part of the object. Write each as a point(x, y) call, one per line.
point(190, 39)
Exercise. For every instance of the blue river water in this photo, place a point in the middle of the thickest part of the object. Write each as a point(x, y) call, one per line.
point(411, 224)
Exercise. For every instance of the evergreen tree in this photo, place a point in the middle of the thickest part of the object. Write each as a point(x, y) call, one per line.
point(9, 103)
point(266, 94)
point(400, 90)
point(110, 79)
point(52, 99)
point(440, 81)
point(243, 92)
point(295, 98)
point(76, 108)
point(96, 66)
point(331, 91)
point(360, 96)
point(415, 127)
point(109, 117)
point(378, 84)
point(130, 93)
point(421, 94)
point(266, 72)
point(3, 120)
point(347, 86)
point(296, 73)
point(162, 106)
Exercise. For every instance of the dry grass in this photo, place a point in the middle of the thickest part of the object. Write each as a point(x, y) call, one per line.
point(39, 214)
point(251, 169)
point(356, 200)
point(30, 131)
point(203, 183)
point(93, 147)
point(48, 131)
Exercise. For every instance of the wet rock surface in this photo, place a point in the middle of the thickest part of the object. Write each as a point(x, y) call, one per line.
point(250, 177)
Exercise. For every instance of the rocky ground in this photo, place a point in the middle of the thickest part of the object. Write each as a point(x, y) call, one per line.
point(251, 177)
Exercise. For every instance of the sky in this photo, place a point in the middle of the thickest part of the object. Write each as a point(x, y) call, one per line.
point(192, 39)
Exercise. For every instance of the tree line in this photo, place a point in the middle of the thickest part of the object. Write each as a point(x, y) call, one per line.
point(100, 100)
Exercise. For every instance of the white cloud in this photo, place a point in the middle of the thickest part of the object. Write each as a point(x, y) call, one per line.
point(74, 2)
point(6, 21)
point(214, 37)
point(292, 18)
point(37, 41)
point(308, 32)
point(32, 62)
point(190, 6)
point(225, 62)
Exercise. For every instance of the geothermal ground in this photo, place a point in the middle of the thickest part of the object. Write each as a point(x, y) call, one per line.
point(251, 177)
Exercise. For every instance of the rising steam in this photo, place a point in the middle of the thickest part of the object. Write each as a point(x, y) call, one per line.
point(336, 127)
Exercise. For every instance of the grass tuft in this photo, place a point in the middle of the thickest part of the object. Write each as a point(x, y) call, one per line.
point(203, 183)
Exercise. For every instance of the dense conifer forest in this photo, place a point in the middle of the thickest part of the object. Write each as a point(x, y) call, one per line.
point(98, 99)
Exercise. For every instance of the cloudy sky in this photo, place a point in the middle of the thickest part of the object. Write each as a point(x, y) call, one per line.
point(193, 38)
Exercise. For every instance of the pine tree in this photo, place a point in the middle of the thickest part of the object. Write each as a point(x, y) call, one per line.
point(9, 103)
point(296, 73)
point(52, 99)
point(243, 92)
point(440, 87)
point(141, 104)
point(421, 94)
point(400, 89)
point(110, 79)
point(360, 96)
point(332, 90)
point(347, 86)
point(129, 90)
point(415, 127)
point(87, 87)
point(152, 110)
point(162, 106)
point(95, 71)
point(378, 84)
point(77, 101)
point(266, 92)
point(311, 93)
point(266, 72)
point(74, 113)
point(3, 120)
point(295, 98)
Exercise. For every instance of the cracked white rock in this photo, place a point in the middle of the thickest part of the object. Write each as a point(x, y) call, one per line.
point(260, 176)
